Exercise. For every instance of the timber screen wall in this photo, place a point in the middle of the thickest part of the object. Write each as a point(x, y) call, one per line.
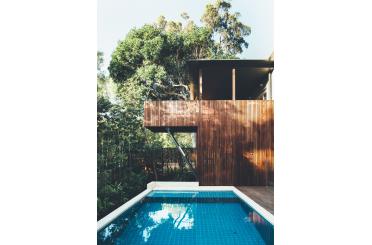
point(235, 138)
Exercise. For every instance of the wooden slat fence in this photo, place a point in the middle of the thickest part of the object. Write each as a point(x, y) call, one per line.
point(166, 162)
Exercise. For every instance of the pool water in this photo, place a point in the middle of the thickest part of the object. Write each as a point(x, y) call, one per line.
point(204, 217)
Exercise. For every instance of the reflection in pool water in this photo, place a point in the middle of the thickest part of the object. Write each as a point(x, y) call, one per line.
point(179, 214)
point(255, 218)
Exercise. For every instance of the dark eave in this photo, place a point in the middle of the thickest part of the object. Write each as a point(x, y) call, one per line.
point(233, 63)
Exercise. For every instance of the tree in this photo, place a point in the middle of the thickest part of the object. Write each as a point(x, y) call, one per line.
point(154, 56)
point(100, 73)
point(226, 27)
point(119, 133)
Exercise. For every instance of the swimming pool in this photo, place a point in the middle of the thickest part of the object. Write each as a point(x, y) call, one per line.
point(188, 217)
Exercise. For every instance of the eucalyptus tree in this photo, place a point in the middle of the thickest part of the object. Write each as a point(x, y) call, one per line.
point(227, 30)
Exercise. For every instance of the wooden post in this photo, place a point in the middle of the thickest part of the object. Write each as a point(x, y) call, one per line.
point(192, 90)
point(233, 84)
point(269, 93)
point(200, 84)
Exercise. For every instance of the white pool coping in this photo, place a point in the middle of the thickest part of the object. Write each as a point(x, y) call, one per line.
point(182, 186)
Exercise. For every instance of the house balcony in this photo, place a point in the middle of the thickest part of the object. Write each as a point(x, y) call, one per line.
point(232, 113)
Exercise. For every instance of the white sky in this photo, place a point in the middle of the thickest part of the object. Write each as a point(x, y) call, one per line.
point(117, 17)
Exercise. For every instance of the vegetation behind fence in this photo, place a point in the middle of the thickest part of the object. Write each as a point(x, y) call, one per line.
point(123, 174)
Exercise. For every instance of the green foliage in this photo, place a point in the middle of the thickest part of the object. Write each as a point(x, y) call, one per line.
point(146, 43)
point(184, 139)
point(101, 78)
point(113, 193)
point(105, 86)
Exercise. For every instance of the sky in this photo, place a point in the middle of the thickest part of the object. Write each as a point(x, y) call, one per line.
point(117, 17)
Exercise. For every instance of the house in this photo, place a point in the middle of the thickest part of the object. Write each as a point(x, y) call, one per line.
point(232, 112)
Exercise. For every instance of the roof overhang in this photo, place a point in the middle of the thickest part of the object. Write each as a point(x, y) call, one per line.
point(233, 63)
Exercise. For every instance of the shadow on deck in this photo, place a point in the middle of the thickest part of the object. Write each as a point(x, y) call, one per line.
point(263, 195)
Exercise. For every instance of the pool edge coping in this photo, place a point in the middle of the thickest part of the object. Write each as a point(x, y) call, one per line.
point(182, 186)
point(114, 214)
